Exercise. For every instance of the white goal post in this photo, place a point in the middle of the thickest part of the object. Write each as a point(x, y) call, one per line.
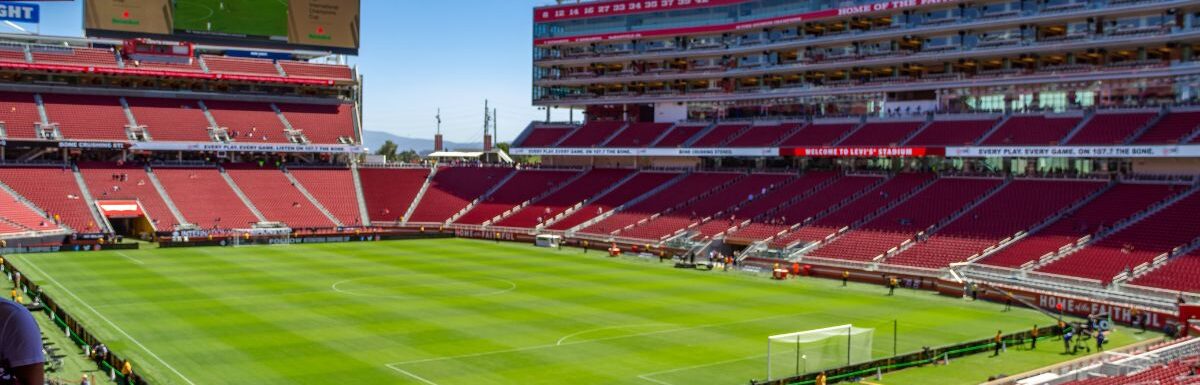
point(798, 353)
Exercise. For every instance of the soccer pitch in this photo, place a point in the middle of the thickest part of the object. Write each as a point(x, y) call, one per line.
point(452, 311)
point(247, 17)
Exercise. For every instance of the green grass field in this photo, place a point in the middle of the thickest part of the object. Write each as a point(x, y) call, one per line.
point(451, 311)
point(248, 17)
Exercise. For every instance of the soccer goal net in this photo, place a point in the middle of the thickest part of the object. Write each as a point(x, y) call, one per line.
point(794, 354)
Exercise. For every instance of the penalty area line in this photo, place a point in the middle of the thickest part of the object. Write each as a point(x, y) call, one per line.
point(647, 376)
point(410, 374)
point(110, 322)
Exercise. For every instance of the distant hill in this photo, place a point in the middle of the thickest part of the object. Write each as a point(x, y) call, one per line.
point(375, 139)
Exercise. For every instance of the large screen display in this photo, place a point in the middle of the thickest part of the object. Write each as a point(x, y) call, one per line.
point(327, 25)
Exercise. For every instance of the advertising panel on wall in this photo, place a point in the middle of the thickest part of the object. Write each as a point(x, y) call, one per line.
point(320, 25)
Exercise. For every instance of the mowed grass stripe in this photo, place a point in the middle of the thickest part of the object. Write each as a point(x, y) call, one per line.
point(267, 315)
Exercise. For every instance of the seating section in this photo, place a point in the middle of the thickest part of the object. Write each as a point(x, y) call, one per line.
point(582, 189)
point(903, 222)
point(1113, 128)
point(523, 186)
point(1179, 274)
point(1171, 129)
point(453, 188)
point(1119, 202)
point(18, 217)
point(801, 210)
point(315, 70)
point(389, 191)
point(952, 133)
point(1175, 373)
point(744, 190)
point(632, 188)
point(818, 134)
point(87, 117)
point(544, 136)
point(592, 134)
point(639, 135)
point(781, 193)
point(204, 198)
point(678, 136)
point(75, 56)
point(699, 183)
point(816, 204)
point(1166, 229)
point(194, 66)
point(248, 121)
point(1018, 207)
point(108, 181)
point(892, 190)
point(177, 120)
point(719, 135)
point(270, 191)
point(881, 134)
point(55, 191)
point(19, 113)
point(11, 54)
point(239, 66)
point(763, 136)
point(321, 123)
point(1032, 130)
point(334, 188)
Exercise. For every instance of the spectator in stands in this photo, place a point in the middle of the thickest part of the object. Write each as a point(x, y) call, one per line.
point(21, 358)
point(1180, 300)
point(126, 370)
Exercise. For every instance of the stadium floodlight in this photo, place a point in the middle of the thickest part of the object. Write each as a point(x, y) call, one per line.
point(818, 349)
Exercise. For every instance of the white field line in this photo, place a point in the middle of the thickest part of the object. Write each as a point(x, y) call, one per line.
point(407, 373)
point(647, 376)
point(582, 332)
point(135, 260)
point(110, 323)
point(536, 347)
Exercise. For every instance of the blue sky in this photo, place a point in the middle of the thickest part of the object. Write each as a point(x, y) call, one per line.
point(421, 55)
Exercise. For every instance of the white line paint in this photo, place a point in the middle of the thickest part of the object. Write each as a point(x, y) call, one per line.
point(410, 374)
point(644, 376)
point(29, 262)
point(536, 347)
point(135, 260)
point(653, 380)
point(579, 333)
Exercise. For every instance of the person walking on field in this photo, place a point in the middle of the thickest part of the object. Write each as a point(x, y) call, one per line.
point(999, 341)
point(1033, 334)
point(845, 277)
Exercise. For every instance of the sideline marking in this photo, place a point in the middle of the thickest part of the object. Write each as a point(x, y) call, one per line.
point(110, 323)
